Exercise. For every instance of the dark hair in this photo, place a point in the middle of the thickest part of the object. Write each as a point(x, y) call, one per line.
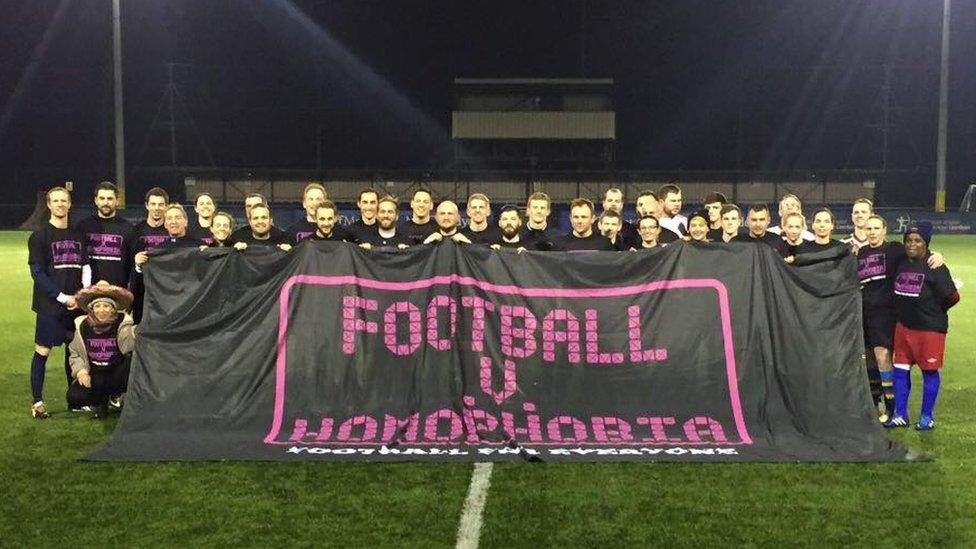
point(157, 191)
point(368, 190)
point(328, 204)
point(648, 193)
point(665, 190)
point(729, 207)
point(712, 198)
point(107, 186)
point(577, 202)
point(643, 217)
point(509, 208)
point(759, 208)
point(423, 189)
point(201, 195)
point(253, 195)
point(828, 211)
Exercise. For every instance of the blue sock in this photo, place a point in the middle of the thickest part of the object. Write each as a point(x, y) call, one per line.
point(37, 375)
point(930, 390)
point(902, 388)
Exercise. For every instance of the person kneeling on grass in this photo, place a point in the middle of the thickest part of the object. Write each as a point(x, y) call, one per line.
point(923, 296)
point(101, 349)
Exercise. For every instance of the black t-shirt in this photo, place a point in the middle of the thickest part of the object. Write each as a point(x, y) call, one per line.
point(377, 240)
point(542, 239)
point(185, 241)
point(272, 240)
point(198, 231)
point(631, 238)
point(241, 233)
point(767, 238)
point(921, 294)
point(360, 232)
point(146, 238)
point(786, 249)
point(667, 236)
point(620, 244)
point(876, 268)
point(302, 229)
point(336, 235)
point(107, 242)
point(102, 348)
point(489, 235)
point(809, 246)
point(61, 254)
point(416, 233)
point(715, 235)
point(772, 240)
point(515, 245)
point(596, 242)
point(203, 234)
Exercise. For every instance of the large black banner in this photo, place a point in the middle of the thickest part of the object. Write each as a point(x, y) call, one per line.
point(693, 352)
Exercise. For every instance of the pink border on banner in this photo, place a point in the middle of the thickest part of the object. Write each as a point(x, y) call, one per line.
point(320, 280)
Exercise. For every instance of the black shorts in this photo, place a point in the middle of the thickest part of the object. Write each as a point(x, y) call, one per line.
point(53, 329)
point(879, 329)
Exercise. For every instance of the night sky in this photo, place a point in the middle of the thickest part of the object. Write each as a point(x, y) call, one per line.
point(700, 85)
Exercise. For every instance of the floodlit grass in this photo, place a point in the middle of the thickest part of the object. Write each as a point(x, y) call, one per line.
point(49, 498)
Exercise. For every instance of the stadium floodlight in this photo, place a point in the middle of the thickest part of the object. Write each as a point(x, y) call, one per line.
point(119, 134)
point(940, 167)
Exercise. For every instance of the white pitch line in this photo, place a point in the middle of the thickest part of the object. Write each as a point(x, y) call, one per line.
point(469, 529)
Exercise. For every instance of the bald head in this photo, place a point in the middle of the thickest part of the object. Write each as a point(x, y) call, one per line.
point(448, 216)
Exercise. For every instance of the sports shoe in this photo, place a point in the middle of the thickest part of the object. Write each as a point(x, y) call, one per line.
point(82, 409)
point(39, 411)
point(896, 421)
point(925, 423)
point(115, 403)
point(100, 412)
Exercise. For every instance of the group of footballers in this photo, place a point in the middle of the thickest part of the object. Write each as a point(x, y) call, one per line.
point(907, 290)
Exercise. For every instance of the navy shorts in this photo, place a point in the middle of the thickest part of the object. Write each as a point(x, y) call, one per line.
point(879, 329)
point(53, 329)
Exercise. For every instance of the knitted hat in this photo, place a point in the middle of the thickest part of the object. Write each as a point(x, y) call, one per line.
point(922, 228)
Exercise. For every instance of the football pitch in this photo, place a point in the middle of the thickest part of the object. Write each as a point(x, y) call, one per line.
point(48, 498)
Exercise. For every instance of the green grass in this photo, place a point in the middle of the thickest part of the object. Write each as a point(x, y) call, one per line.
point(49, 498)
